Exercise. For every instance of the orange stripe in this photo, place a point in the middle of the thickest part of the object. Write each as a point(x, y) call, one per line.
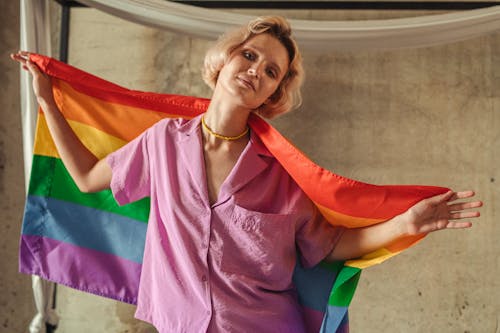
point(121, 121)
point(348, 221)
point(404, 243)
point(381, 255)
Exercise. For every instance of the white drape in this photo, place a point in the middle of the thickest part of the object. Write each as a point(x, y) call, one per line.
point(35, 37)
point(313, 35)
point(43, 293)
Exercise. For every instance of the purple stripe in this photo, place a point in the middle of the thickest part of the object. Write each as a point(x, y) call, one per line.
point(312, 319)
point(80, 268)
point(344, 328)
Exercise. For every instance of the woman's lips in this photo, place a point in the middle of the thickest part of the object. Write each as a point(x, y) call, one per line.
point(247, 82)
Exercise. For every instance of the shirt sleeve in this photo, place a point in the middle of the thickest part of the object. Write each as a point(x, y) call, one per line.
point(316, 238)
point(130, 168)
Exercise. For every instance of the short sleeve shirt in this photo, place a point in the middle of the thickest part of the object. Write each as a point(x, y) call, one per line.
point(225, 267)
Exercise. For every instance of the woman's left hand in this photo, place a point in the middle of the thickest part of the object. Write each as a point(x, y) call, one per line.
point(431, 214)
point(441, 212)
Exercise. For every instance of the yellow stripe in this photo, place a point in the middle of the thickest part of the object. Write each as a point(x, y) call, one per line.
point(43, 140)
point(348, 221)
point(371, 259)
point(98, 142)
point(383, 254)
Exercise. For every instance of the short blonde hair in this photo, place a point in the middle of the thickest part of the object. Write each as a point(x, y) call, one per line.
point(287, 96)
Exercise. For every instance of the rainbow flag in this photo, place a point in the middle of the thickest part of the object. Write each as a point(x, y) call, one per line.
point(87, 242)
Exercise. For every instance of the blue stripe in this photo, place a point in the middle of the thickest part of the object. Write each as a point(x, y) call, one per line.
point(335, 317)
point(313, 285)
point(84, 226)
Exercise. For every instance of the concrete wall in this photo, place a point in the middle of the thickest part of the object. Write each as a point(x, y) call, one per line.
point(424, 116)
point(16, 305)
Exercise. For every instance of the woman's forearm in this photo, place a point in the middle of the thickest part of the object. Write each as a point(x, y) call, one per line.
point(87, 171)
point(357, 242)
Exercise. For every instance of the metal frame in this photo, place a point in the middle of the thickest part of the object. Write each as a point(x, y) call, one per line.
point(326, 4)
point(351, 5)
point(66, 6)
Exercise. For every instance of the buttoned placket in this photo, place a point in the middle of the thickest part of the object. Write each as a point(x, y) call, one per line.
point(205, 278)
point(195, 164)
point(232, 184)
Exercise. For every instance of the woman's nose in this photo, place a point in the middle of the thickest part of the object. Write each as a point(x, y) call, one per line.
point(252, 71)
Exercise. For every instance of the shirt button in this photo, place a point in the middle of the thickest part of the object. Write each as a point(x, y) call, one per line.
point(208, 312)
point(204, 278)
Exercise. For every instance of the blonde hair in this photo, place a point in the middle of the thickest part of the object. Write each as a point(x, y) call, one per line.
point(287, 96)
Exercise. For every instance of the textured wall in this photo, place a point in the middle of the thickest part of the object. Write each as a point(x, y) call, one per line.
point(426, 116)
point(16, 305)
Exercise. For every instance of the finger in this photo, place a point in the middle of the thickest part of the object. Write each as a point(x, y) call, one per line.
point(24, 54)
point(32, 67)
point(464, 215)
point(17, 57)
point(459, 225)
point(464, 205)
point(440, 198)
point(463, 195)
point(20, 60)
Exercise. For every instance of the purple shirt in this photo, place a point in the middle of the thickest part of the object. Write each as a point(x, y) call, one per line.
point(225, 267)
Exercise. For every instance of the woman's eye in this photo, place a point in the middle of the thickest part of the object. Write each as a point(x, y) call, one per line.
point(248, 55)
point(271, 73)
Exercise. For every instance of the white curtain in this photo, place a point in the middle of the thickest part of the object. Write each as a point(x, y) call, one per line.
point(313, 35)
point(35, 37)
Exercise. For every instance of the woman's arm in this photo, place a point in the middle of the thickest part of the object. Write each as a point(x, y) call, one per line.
point(432, 214)
point(89, 173)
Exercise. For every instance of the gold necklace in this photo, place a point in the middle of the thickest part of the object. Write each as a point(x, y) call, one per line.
point(220, 136)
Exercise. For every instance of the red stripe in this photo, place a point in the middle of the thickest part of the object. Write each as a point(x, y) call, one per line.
point(94, 86)
point(341, 194)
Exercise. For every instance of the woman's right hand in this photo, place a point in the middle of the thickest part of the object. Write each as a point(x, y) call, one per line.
point(42, 86)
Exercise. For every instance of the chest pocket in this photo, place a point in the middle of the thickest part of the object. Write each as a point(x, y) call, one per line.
point(259, 246)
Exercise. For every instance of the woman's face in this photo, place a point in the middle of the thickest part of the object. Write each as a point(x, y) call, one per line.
point(254, 70)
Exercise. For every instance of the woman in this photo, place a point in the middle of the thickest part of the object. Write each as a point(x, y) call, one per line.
point(226, 219)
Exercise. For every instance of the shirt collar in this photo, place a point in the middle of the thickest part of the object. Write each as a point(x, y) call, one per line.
point(191, 128)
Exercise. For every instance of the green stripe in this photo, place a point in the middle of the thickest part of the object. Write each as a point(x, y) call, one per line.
point(345, 286)
point(335, 266)
point(49, 178)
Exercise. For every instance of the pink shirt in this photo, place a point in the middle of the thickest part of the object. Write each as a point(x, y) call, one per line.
point(225, 267)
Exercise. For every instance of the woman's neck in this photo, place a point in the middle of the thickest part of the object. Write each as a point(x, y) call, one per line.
point(225, 120)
